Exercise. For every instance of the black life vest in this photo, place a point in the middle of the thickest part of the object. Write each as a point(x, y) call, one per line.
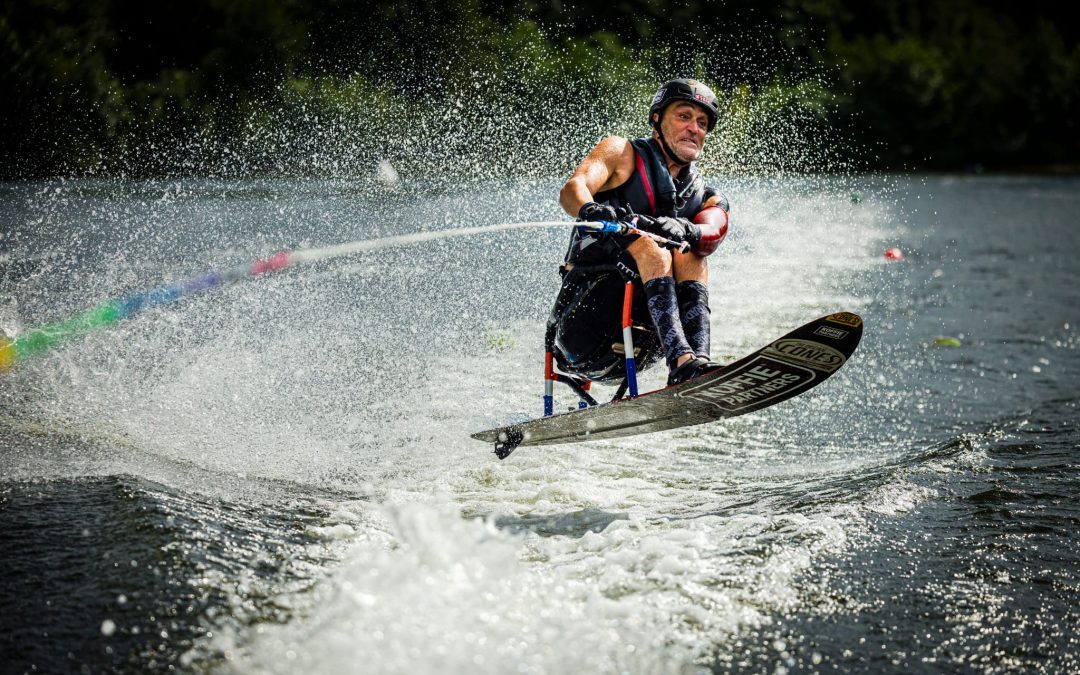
point(650, 190)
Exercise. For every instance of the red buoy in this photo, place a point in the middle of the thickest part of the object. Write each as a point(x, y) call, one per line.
point(894, 254)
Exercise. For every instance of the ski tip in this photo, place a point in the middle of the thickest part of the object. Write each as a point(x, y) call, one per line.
point(850, 319)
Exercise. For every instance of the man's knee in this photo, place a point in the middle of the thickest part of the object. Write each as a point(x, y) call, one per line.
point(652, 260)
point(690, 266)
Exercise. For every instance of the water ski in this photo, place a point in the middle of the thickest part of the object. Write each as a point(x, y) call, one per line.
point(784, 368)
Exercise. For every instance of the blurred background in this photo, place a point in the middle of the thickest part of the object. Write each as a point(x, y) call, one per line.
point(277, 476)
point(104, 87)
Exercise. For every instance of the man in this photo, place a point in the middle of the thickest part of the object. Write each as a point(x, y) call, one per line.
point(652, 181)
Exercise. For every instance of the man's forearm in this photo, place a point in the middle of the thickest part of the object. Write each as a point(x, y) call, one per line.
point(574, 195)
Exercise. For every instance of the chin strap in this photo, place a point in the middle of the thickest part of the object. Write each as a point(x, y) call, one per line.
point(667, 148)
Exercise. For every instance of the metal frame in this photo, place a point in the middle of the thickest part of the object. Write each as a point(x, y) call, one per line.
point(581, 385)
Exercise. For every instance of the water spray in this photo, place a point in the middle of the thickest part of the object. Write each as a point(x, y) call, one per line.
point(18, 349)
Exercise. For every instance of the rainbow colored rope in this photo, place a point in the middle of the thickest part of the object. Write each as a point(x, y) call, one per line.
point(17, 350)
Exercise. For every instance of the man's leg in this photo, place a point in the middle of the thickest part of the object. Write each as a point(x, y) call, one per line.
point(655, 267)
point(691, 273)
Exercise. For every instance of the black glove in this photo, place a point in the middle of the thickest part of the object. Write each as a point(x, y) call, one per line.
point(675, 229)
point(593, 212)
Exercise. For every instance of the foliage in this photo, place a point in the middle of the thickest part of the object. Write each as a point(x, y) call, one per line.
point(289, 86)
point(960, 84)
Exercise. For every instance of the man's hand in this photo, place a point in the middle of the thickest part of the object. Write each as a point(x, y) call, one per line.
point(593, 212)
point(675, 229)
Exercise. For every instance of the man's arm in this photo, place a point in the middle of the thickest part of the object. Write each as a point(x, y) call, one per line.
point(712, 222)
point(609, 165)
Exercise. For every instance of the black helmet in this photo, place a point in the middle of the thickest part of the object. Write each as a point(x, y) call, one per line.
point(686, 90)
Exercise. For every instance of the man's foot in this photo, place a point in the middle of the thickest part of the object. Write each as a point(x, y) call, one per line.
point(695, 367)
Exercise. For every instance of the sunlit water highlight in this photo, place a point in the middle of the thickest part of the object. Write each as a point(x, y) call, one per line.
point(278, 477)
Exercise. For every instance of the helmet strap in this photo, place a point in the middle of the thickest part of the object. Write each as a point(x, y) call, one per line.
point(663, 143)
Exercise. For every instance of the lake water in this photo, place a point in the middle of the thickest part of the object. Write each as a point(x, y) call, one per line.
point(277, 475)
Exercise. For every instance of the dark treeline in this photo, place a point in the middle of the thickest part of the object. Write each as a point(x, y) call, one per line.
point(908, 84)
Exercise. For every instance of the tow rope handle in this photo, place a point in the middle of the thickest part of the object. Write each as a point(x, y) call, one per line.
point(622, 229)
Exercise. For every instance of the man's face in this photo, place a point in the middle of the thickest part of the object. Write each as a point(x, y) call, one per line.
point(684, 126)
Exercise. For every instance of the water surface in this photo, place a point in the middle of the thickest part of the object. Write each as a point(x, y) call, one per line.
point(277, 476)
